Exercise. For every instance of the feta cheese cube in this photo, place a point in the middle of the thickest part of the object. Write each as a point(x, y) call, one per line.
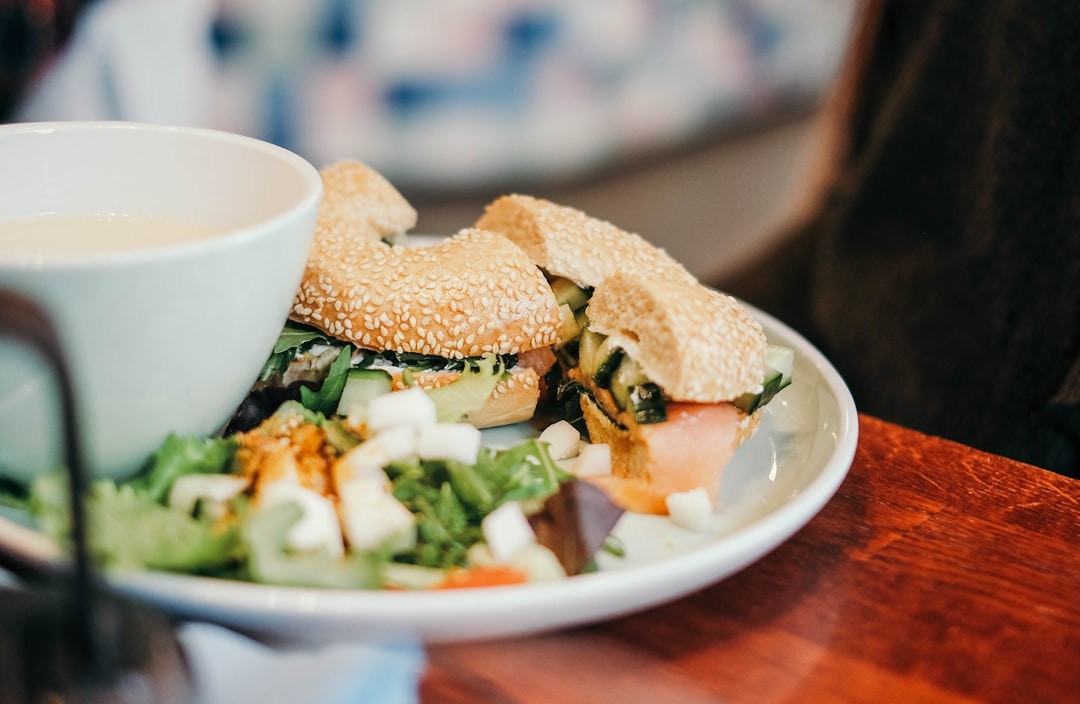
point(690, 509)
point(366, 459)
point(399, 442)
point(371, 517)
point(562, 438)
point(507, 531)
point(411, 407)
point(318, 527)
point(449, 441)
point(594, 459)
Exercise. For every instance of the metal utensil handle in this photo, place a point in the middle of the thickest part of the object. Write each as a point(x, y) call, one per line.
point(25, 320)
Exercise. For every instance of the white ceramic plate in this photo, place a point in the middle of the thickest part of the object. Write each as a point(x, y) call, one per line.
point(777, 482)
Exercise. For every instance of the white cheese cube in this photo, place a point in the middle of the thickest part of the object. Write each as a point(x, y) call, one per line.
point(690, 509)
point(371, 517)
point(399, 442)
point(449, 441)
point(356, 418)
point(318, 527)
point(562, 438)
point(187, 490)
point(507, 531)
point(365, 461)
point(594, 459)
point(410, 407)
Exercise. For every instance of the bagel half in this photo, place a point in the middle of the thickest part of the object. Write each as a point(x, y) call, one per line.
point(568, 243)
point(696, 343)
point(474, 294)
point(358, 205)
point(704, 351)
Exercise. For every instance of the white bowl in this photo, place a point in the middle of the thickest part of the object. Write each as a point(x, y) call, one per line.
point(160, 339)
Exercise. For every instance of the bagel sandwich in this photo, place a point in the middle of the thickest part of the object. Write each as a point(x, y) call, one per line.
point(427, 315)
point(576, 252)
point(473, 305)
point(672, 375)
point(667, 372)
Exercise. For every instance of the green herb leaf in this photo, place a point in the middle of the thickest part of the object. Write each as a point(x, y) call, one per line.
point(293, 339)
point(325, 400)
point(294, 336)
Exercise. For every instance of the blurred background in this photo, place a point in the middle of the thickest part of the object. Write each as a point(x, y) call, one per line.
point(687, 121)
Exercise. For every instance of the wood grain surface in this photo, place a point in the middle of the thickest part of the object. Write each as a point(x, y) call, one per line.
point(937, 573)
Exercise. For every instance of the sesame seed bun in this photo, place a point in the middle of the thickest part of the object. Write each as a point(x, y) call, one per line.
point(696, 343)
point(359, 204)
point(473, 294)
point(568, 243)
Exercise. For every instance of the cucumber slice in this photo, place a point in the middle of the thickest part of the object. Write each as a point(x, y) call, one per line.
point(626, 376)
point(607, 361)
point(570, 294)
point(362, 385)
point(781, 359)
point(588, 347)
point(779, 362)
point(646, 402)
point(571, 328)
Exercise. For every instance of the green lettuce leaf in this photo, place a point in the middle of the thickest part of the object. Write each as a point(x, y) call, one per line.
point(128, 529)
point(181, 455)
point(293, 339)
point(325, 400)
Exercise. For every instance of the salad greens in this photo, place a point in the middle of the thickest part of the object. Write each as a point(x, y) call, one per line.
point(131, 525)
point(450, 498)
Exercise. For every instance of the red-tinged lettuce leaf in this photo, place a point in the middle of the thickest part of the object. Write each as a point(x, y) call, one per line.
point(574, 523)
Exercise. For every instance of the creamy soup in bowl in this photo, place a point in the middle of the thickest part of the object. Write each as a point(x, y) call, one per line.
point(51, 235)
point(166, 257)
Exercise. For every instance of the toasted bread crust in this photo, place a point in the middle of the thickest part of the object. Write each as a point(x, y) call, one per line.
point(473, 294)
point(566, 242)
point(696, 343)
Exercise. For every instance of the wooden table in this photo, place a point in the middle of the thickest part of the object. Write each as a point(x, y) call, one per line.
point(937, 574)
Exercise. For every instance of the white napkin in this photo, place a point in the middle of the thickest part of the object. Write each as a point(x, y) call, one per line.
point(229, 668)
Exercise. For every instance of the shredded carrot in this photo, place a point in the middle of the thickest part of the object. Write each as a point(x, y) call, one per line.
point(496, 576)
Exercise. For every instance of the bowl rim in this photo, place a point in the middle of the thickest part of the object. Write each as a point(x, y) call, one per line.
point(309, 199)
